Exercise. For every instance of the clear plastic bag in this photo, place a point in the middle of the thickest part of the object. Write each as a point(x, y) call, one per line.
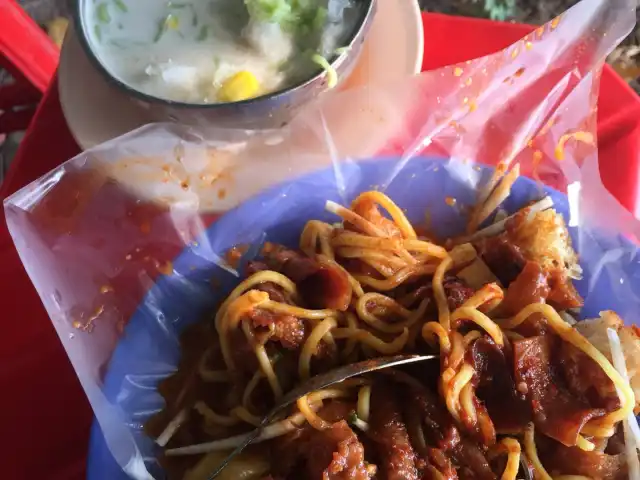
point(123, 230)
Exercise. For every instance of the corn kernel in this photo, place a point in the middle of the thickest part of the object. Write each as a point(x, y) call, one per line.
point(240, 86)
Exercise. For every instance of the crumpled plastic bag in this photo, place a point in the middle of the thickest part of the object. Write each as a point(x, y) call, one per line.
point(98, 232)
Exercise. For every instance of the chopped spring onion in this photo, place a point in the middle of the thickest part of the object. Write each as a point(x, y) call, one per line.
point(177, 5)
point(170, 22)
point(103, 13)
point(332, 75)
point(203, 33)
point(121, 5)
point(341, 50)
point(98, 32)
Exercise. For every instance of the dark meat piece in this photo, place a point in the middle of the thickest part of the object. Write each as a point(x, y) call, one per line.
point(439, 428)
point(471, 462)
point(556, 412)
point(509, 412)
point(332, 454)
point(442, 464)
point(507, 261)
point(390, 435)
point(335, 454)
point(616, 444)
point(530, 286)
point(321, 284)
point(586, 379)
point(563, 460)
point(503, 258)
point(255, 266)
point(456, 290)
point(562, 294)
point(290, 331)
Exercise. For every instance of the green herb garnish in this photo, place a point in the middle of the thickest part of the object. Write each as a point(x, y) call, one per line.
point(97, 32)
point(203, 33)
point(177, 5)
point(170, 22)
point(121, 5)
point(103, 13)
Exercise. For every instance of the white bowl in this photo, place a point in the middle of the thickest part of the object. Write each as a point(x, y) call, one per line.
point(97, 112)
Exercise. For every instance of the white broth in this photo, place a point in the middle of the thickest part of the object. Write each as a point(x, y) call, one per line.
point(212, 51)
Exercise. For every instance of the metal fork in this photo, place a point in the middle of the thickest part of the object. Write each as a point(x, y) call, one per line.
point(317, 383)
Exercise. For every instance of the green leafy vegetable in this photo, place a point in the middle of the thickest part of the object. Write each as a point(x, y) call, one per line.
point(103, 13)
point(98, 32)
point(170, 22)
point(121, 5)
point(291, 15)
point(203, 33)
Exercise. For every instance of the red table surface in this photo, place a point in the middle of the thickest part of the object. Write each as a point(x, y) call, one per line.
point(46, 417)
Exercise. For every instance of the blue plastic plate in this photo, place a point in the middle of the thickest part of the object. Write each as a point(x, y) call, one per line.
point(149, 350)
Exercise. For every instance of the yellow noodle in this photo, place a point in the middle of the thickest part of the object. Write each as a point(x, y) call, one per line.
point(446, 377)
point(390, 303)
point(214, 418)
point(212, 376)
point(422, 246)
point(452, 393)
point(249, 389)
point(358, 221)
point(374, 342)
point(480, 319)
point(484, 193)
point(571, 477)
point(305, 405)
point(239, 307)
point(352, 323)
point(490, 295)
point(467, 405)
point(434, 328)
point(513, 458)
point(246, 416)
point(297, 311)
point(267, 370)
point(584, 444)
point(486, 427)
point(380, 267)
point(273, 430)
point(364, 403)
point(470, 337)
point(366, 253)
point(532, 454)
point(598, 431)
point(569, 334)
point(256, 279)
point(439, 294)
point(496, 197)
point(352, 239)
point(314, 232)
point(456, 356)
point(399, 277)
point(310, 346)
point(399, 218)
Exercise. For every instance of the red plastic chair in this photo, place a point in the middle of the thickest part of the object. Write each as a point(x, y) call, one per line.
point(31, 58)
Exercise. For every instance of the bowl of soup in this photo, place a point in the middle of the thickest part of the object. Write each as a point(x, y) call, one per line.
point(230, 63)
